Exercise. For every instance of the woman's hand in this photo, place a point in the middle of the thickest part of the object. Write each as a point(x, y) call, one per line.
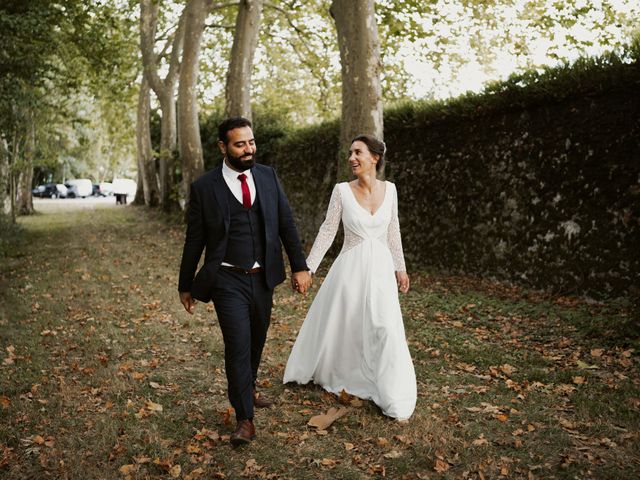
point(403, 281)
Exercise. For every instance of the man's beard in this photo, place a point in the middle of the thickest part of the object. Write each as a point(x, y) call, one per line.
point(239, 164)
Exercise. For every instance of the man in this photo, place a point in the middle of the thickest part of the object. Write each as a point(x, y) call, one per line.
point(239, 214)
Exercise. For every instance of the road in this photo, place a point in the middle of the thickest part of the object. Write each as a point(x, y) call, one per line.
point(45, 205)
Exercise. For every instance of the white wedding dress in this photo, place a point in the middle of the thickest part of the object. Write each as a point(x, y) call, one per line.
point(353, 338)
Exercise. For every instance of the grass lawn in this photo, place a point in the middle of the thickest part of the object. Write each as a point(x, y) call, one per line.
point(104, 376)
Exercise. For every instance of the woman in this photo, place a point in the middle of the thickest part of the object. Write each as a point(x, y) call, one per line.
point(353, 338)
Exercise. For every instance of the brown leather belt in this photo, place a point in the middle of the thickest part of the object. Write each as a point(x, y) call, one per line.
point(242, 270)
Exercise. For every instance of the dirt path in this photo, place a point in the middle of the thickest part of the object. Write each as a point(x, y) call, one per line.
point(104, 376)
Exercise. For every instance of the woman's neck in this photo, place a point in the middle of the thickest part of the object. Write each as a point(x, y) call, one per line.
point(367, 181)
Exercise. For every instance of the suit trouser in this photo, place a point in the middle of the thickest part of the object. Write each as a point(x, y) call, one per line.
point(243, 304)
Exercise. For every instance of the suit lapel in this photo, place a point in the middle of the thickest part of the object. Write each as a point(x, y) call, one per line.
point(220, 191)
point(264, 191)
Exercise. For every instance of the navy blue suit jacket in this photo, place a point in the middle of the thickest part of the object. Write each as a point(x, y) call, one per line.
point(208, 229)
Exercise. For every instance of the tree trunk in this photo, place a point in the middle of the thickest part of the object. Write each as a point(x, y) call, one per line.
point(189, 125)
point(146, 163)
point(5, 178)
point(360, 58)
point(245, 40)
point(24, 200)
point(165, 91)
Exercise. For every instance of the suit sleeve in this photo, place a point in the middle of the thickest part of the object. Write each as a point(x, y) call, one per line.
point(195, 240)
point(288, 231)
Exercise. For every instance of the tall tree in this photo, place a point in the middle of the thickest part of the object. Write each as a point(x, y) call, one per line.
point(360, 65)
point(196, 13)
point(245, 40)
point(146, 160)
point(164, 89)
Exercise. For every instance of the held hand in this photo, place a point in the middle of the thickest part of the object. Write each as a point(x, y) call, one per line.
point(188, 302)
point(301, 281)
point(403, 281)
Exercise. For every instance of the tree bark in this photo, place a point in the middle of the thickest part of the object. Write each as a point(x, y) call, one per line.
point(164, 90)
point(24, 200)
point(245, 40)
point(5, 178)
point(146, 162)
point(189, 126)
point(360, 59)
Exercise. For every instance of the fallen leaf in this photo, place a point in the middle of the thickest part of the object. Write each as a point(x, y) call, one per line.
point(4, 401)
point(393, 454)
point(597, 352)
point(382, 442)
point(175, 471)
point(328, 462)
point(585, 365)
point(323, 421)
point(579, 380)
point(480, 441)
point(153, 407)
point(507, 369)
point(127, 469)
point(441, 466)
point(349, 446)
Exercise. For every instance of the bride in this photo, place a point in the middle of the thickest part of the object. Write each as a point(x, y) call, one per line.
point(353, 337)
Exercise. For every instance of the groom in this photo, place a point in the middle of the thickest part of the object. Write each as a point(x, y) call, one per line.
point(239, 214)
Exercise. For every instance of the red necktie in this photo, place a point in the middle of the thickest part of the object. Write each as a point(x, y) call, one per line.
point(246, 194)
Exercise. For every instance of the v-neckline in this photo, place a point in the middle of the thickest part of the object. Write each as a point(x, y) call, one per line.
point(384, 199)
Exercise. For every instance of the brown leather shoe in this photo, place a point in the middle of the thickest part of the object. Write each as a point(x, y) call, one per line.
point(243, 434)
point(260, 401)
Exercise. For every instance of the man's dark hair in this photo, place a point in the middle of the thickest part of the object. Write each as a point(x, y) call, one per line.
point(375, 146)
point(230, 124)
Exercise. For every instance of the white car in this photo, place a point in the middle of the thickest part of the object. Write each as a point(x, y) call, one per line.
point(124, 186)
point(79, 187)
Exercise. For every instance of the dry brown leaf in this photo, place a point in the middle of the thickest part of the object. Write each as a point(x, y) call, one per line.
point(597, 352)
point(393, 454)
point(382, 442)
point(4, 401)
point(127, 469)
point(441, 466)
point(349, 446)
point(175, 471)
point(480, 441)
point(152, 406)
point(579, 380)
point(323, 421)
point(507, 369)
point(502, 417)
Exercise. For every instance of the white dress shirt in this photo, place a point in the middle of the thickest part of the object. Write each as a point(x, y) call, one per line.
point(231, 178)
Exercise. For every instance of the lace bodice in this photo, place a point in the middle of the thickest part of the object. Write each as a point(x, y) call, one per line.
point(359, 225)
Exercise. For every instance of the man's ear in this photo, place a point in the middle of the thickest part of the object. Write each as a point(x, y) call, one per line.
point(222, 147)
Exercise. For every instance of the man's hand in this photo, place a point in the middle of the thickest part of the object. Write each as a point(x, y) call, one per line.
point(301, 281)
point(403, 281)
point(188, 302)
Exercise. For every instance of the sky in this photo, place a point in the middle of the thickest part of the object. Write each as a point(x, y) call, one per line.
point(462, 70)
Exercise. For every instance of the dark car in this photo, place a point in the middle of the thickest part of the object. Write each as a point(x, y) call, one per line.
point(50, 190)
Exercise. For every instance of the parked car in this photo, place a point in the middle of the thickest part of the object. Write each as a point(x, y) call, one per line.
point(123, 188)
point(102, 189)
point(80, 187)
point(50, 190)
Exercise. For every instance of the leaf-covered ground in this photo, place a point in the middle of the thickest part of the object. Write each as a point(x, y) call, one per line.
point(103, 375)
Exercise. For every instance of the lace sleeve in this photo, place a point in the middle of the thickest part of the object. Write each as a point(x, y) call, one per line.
point(327, 231)
point(394, 240)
